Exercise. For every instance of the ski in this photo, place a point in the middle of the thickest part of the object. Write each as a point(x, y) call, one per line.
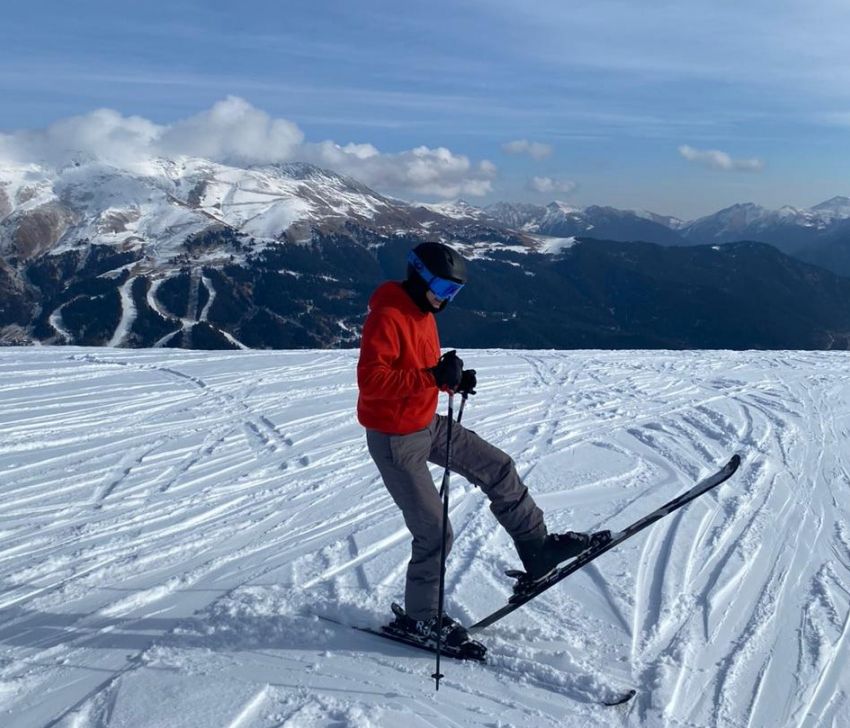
point(703, 486)
point(410, 642)
point(613, 698)
point(445, 651)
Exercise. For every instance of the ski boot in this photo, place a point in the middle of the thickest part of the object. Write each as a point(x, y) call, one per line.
point(454, 639)
point(541, 557)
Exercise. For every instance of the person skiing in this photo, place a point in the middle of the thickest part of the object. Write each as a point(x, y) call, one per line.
point(400, 374)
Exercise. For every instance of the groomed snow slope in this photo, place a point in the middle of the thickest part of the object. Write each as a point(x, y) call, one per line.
point(172, 524)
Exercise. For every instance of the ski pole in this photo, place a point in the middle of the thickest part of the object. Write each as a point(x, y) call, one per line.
point(465, 396)
point(444, 492)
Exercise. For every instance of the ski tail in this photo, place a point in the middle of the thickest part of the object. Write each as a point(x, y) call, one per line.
point(620, 699)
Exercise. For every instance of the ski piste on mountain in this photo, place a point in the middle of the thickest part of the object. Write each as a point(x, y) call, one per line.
point(618, 697)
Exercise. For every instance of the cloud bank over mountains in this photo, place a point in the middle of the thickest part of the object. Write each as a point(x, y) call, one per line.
point(235, 132)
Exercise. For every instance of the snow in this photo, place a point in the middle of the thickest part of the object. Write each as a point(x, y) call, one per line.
point(208, 284)
point(173, 525)
point(128, 313)
point(58, 323)
point(455, 209)
point(553, 245)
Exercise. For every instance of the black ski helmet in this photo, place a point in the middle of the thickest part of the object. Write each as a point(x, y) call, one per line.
point(441, 261)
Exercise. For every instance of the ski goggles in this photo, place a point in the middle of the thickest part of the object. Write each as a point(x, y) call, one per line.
point(443, 288)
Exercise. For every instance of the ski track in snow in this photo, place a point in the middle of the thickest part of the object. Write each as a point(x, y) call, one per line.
point(173, 523)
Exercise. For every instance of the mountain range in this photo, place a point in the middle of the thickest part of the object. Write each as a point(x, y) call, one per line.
point(187, 252)
point(807, 233)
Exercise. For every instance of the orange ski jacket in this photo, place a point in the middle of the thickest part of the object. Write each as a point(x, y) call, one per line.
point(398, 395)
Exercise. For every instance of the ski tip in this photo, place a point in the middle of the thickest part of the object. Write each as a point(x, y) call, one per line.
point(735, 461)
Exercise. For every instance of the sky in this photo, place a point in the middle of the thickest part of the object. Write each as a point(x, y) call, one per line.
point(681, 108)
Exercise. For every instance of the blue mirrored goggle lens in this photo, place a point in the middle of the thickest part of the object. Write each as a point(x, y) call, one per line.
point(441, 287)
point(444, 289)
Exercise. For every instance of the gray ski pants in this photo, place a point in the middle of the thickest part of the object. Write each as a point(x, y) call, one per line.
point(402, 461)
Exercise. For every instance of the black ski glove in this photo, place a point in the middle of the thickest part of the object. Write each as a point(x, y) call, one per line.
point(449, 371)
point(468, 381)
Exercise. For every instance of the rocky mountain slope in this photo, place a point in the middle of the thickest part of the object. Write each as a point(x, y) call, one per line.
point(186, 252)
point(790, 229)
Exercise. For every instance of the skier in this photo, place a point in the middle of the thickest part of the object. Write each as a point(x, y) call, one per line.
point(400, 374)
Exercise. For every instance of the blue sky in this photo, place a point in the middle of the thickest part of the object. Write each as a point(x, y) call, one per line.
point(677, 107)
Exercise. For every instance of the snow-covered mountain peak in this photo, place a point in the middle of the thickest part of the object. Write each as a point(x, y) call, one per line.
point(789, 228)
point(837, 208)
point(563, 208)
point(307, 172)
point(787, 211)
point(166, 200)
point(454, 209)
point(734, 217)
point(834, 203)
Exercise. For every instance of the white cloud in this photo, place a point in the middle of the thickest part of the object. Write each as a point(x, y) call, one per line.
point(102, 134)
point(535, 150)
point(549, 185)
point(427, 171)
point(8, 148)
point(716, 159)
point(235, 132)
